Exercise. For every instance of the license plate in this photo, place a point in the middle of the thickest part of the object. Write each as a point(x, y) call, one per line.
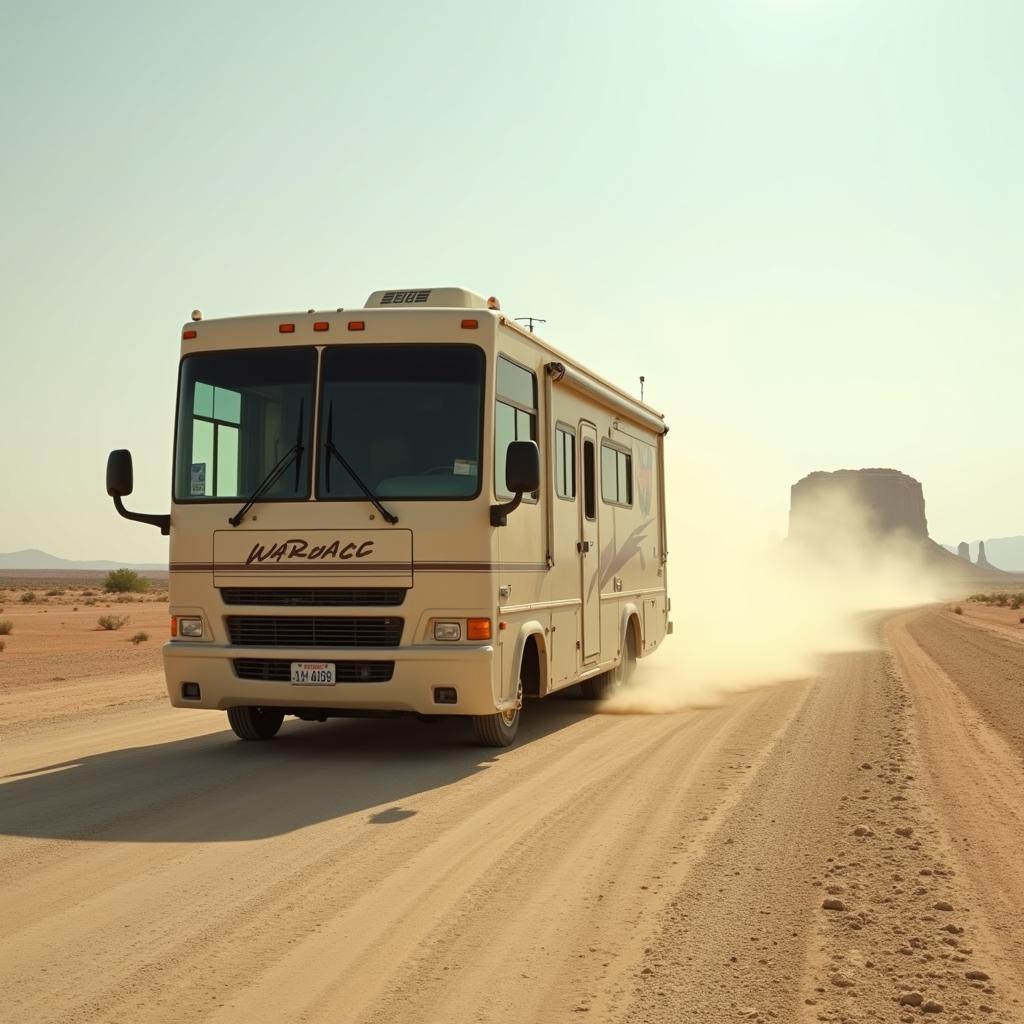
point(313, 673)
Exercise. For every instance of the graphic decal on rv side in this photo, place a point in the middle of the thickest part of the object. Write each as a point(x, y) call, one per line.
point(645, 476)
point(612, 561)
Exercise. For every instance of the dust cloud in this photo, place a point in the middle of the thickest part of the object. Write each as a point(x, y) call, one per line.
point(750, 609)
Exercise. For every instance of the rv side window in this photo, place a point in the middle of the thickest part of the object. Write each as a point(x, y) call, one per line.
point(515, 417)
point(616, 476)
point(589, 490)
point(565, 463)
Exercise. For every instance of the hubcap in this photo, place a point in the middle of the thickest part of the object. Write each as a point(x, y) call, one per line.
point(508, 716)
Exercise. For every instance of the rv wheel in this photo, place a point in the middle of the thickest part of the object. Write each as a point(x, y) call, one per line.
point(497, 730)
point(255, 723)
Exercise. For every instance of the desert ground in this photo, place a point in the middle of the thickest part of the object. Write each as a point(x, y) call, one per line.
point(845, 847)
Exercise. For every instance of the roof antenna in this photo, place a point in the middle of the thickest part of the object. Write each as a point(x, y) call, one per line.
point(530, 321)
point(642, 378)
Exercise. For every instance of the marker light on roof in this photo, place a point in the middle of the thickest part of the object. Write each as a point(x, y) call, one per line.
point(493, 303)
point(470, 325)
point(286, 328)
point(321, 325)
point(356, 325)
point(189, 333)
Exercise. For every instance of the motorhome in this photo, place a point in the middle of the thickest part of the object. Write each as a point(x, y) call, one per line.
point(418, 506)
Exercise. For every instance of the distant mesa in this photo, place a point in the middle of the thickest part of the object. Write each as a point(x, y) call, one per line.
point(892, 501)
point(983, 562)
point(963, 550)
point(1005, 554)
point(872, 506)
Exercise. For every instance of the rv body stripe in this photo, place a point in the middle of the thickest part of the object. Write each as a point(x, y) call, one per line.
point(381, 568)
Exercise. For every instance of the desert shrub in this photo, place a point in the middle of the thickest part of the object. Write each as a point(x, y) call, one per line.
point(111, 621)
point(958, 610)
point(3, 645)
point(54, 593)
point(1016, 602)
point(125, 581)
point(88, 593)
point(5, 626)
point(140, 638)
point(28, 597)
point(91, 600)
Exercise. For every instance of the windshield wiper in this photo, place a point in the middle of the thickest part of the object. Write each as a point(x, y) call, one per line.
point(330, 448)
point(295, 452)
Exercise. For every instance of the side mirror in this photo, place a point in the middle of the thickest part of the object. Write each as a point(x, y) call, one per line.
point(522, 467)
point(522, 474)
point(120, 474)
point(120, 481)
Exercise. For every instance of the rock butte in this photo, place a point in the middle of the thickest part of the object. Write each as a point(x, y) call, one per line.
point(892, 504)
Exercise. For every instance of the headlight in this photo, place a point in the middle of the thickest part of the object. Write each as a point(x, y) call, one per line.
point(190, 627)
point(447, 631)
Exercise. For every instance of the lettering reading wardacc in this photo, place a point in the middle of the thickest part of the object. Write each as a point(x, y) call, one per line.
point(297, 548)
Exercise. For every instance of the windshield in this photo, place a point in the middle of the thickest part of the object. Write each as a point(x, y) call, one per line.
point(239, 414)
point(407, 419)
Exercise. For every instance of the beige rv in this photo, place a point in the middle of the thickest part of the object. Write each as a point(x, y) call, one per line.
point(417, 506)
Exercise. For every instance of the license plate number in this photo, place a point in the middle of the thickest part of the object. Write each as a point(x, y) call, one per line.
point(313, 673)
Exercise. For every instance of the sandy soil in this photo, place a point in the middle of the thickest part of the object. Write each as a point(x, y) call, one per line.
point(58, 663)
point(814, 851)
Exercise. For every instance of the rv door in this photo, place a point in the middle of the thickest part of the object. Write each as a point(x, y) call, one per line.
point(588, 548)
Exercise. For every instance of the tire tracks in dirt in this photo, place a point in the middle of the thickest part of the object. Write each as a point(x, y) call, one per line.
point(611, 868)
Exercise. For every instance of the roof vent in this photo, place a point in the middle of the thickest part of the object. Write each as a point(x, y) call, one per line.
point(444, 298)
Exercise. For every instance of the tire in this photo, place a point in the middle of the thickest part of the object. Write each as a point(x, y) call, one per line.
point(497, 730)
point(251, 723)
point(607, 683)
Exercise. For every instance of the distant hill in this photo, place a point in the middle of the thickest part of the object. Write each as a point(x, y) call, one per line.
point(893, 503)
point(34, 559)
point(1006, 553)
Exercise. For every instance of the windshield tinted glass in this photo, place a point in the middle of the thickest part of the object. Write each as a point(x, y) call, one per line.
point(406, 417)
point(238, 414)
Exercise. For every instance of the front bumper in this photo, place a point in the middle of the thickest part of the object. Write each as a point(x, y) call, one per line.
point(411, 688)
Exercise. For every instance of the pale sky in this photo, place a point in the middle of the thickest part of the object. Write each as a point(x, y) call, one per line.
point(802, 220)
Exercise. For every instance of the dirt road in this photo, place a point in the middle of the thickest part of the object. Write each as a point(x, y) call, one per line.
point(611, 868)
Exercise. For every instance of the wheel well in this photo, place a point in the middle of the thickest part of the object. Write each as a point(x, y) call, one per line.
point(633, 626)
point(529, 668)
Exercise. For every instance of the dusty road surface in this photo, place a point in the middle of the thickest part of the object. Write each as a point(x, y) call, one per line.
point(610, 868)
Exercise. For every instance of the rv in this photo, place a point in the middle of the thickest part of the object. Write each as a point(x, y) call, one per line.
point(414, 507)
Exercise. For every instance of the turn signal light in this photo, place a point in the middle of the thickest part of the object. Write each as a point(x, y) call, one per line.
point(356, 325)
point(174, 626)
point(478, 629)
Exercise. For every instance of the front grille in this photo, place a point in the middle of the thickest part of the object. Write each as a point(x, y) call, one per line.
point(323, 597)
point(274, 670)
point(313, 631)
